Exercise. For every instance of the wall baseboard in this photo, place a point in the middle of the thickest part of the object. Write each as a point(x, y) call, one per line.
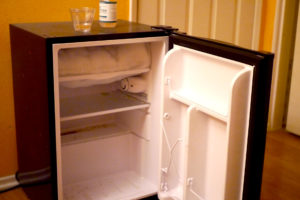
point(8, 182)
point(34, 177)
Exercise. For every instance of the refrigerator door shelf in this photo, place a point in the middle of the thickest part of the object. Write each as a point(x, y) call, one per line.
point(190, 98)
point(189, 101)
point(202, 78)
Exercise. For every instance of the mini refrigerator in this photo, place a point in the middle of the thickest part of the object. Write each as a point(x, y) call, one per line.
point(137, 112)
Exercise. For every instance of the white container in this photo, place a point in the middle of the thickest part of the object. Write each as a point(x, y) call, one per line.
point(108, 13)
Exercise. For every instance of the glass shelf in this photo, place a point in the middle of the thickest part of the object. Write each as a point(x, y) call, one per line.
point(93, 133)
point(98, 104)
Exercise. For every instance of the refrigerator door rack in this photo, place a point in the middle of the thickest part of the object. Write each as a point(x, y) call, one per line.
point(190, 99)
point(188, 90)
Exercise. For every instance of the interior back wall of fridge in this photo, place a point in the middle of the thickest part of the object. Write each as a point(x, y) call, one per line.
point(111, 152)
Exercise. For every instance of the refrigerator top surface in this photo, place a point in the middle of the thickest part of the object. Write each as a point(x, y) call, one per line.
point(54, 30)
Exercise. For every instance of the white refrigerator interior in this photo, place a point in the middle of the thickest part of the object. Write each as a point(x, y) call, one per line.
point(133, 120)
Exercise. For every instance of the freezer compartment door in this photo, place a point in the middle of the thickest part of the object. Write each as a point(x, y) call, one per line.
point(205, 120)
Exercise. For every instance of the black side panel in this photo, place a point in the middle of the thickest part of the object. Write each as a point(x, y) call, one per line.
point(51, 108)
point(262, 63)
point(32, 115)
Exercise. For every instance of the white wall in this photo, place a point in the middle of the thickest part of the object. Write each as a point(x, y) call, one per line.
point(293, 117)
point(236, 22)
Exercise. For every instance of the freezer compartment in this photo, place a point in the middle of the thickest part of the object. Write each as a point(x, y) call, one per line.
point(87, 64)
point(103, 59)
point(77, 81)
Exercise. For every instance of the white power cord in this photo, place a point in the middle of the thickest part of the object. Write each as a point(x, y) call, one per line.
point(164, 186)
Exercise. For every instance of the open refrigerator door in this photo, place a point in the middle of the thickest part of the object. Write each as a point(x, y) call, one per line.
point(206, 104)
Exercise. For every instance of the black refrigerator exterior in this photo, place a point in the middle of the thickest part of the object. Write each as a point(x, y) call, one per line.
point(31, 50)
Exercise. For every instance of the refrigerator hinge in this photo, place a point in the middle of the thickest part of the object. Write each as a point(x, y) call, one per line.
point(168, 29)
